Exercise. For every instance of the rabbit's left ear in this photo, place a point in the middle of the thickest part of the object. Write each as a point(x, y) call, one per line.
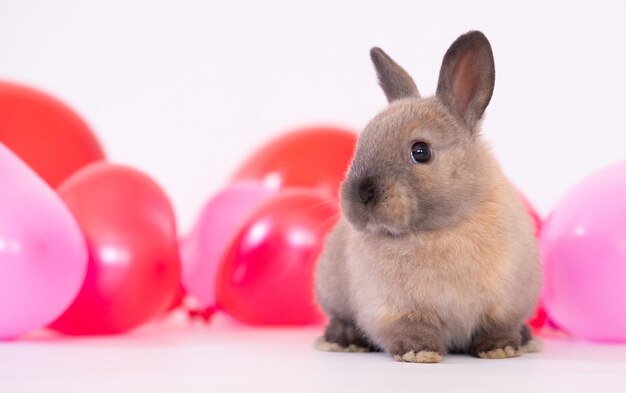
point(394, 80)
point(467, 77)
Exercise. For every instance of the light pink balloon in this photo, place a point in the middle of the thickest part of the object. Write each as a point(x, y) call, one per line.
point(43, 255)
point(583, 243)
point(221, 217)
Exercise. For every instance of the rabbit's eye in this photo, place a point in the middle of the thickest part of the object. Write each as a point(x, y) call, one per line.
point(420, 153)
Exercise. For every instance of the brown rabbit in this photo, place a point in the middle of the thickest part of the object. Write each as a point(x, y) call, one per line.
point(434, 251)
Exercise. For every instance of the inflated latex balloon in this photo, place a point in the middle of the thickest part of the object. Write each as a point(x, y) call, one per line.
point(537, 222)
point(134, 265)
point(43, 255)
point(539, 318)
point(50, 137)
point(177, 301)
point(219, 222)
point(316, 157)
point(583, 243)
point(267, 275)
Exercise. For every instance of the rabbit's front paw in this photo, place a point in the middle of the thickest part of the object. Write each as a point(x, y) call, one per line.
point(496, 347)
point(417, 350)
point(423, 356)
point(500, 353)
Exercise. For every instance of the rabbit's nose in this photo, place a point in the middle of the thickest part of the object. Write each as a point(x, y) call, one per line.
point(366, 190)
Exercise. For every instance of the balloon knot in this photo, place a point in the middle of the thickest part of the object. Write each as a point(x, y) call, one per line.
point(204, 314)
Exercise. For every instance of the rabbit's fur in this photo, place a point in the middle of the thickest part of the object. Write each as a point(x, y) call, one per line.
point(432, 257)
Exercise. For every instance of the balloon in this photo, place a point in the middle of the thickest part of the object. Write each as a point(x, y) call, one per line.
point(45, 133)
point(43, 255)
point(539, 318)
point(134, 267)
point(533, 215)
point(217, 225)
point(177, 300)
point(583, 243)
point(314, 157)
point(267, 275)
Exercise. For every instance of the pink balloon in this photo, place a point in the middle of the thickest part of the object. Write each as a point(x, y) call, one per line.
point(583, 243)
point(43, 255)
point(216, 227)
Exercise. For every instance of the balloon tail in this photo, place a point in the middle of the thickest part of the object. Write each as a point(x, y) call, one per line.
point(204, 314)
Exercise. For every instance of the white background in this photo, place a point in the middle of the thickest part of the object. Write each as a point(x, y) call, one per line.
point(185, 90)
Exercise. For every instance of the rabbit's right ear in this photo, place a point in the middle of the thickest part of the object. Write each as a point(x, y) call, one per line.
point(467, 77)
point(394, 80)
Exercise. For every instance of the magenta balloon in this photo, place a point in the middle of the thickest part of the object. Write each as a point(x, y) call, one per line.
point(43, 255)
point(216, 227)
point(583, 243)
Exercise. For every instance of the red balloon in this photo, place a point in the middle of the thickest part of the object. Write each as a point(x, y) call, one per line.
point(539, 319)
point(177, 300)
point(45, 133)
point(534, 216)
point(266, 277)
point(134, 265)
point(315, 157)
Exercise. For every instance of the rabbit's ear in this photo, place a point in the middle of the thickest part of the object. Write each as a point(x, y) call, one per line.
point(467, 77)
point(394, 80)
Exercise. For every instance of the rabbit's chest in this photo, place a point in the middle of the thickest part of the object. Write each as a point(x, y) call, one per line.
point(447, 287)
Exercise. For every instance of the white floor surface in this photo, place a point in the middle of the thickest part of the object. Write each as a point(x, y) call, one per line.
point(175, 356)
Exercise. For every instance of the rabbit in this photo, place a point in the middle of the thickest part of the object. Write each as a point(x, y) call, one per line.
point(434, 251)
